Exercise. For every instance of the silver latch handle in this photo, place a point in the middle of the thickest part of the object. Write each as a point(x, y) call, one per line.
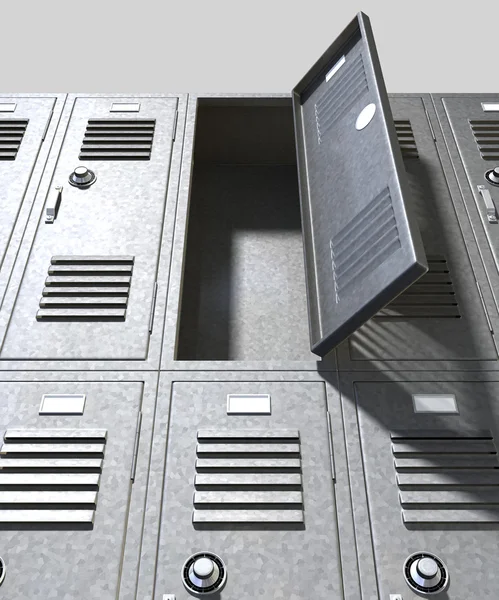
point(52, 205)
point(489, 204)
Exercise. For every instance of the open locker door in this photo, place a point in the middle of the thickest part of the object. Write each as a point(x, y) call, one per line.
point(362, 246)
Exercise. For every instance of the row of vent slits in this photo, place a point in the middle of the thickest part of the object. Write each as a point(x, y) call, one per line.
point(51, 476)
point(118, 139)
point(248, 476)
point(364, 243)
point(406, 139)
point(346, 88)
point(447, 476)
point(432, 296)
point(487, 138)
point(11, 135)
point(86, 288)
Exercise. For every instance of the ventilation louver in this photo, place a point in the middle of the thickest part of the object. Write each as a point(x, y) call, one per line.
point(365, 243)
point(447, 476)
point(345, 89)
point(50, 476)
point(487, 138)
point(432, 296)
point(406, 139)
point(118, 139)
point(245, 476)
point(86, 288)
point(11, 134)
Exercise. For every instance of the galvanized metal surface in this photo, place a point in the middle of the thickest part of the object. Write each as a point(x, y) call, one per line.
point(329, 487)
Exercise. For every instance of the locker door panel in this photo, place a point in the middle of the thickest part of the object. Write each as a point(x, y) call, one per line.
point(65, 487)
point(254, 489)
point(88, 287)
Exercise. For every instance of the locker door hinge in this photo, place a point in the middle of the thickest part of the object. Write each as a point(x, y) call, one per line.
point(175, 125)
point(331, 452)
point(431, 126)
point(484, 307)
point(47, 125)
point(136, 447)
point(153, 306)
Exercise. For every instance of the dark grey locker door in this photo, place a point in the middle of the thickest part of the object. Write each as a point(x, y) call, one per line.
point(23, 122)
point(441, 314)
point(477, 135)
point(256, 490)
point(65, 488)
point(362, 247)
point(432, 480)
point(88, 286)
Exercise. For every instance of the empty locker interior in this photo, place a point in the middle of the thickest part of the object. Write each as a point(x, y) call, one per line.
point(244, 293)
point(431, 470)
point(88, 287)
point(65, 464)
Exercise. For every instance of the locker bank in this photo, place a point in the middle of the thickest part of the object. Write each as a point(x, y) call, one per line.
point(247, 342)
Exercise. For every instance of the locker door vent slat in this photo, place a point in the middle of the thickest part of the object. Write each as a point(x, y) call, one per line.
point(118, 139)
point(248, 476)
point(406, 139)
point(365, 243)
point(487, 138)
point(11, 135)
point(447, 477)
point(347, 87)
point(432, 297)
point(50, 476)
point(86, 288)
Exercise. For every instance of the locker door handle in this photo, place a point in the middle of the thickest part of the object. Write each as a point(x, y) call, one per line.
point(489, 204)
point(52, 205)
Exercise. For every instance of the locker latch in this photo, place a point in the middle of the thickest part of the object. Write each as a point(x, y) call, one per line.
point(52, 206)
point(489, 204)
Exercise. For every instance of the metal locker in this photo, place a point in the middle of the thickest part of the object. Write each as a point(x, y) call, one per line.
point(89, 284)
point(248, 485)
point(24, 124)
point(430, 472)
point(474, 124)
point(65, 464)
point(441, 317)
point(361, 240)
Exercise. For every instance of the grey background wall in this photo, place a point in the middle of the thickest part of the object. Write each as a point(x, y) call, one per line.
point(234, 46)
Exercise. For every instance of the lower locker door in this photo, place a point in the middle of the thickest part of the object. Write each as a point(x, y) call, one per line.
point(433, 485)
point(65, 487)
point(250, 496)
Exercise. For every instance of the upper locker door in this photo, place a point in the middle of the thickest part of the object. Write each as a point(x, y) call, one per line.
point(362, 247)
point(88, 286)
point(475, 124)
point(23, 124)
